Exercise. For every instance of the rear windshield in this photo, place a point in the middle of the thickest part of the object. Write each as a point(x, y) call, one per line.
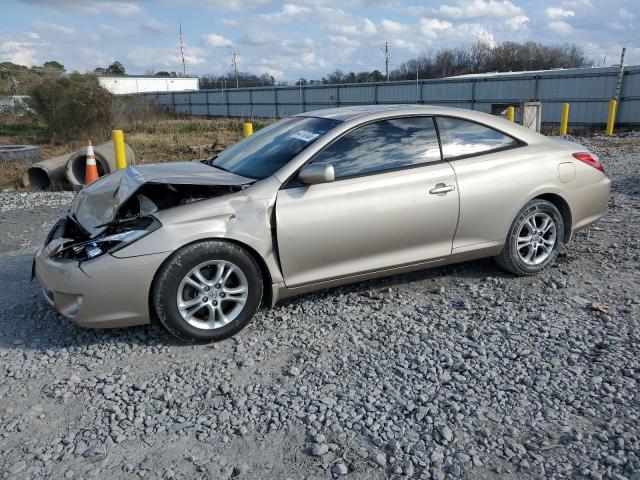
point(265, 152)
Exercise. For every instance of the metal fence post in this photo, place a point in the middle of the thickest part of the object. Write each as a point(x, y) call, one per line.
point(206, 96)
point(337, 95)
point(375, 93)
point(275, 99)
point(226, 100)
point(251, 102)
point(473, 93)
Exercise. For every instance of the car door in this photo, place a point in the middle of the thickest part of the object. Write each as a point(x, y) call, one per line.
point(492, 179)
point(394, 202)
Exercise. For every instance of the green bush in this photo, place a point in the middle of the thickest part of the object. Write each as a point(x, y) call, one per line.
point(73, 107)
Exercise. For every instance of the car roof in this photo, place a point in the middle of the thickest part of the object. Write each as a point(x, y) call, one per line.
point(347, 113)
point(362, 113)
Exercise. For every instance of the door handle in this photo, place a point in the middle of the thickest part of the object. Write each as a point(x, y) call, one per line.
point(441, 189)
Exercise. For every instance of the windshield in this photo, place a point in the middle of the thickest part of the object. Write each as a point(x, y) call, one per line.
point(266, 151)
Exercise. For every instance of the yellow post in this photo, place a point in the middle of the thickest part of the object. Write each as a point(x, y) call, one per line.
point(247, 129)
point(611, 118)
point(564, 119)
point(511, 113)
point(118, 149)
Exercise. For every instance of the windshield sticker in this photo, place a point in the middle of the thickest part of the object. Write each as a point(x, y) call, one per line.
point(305, 135)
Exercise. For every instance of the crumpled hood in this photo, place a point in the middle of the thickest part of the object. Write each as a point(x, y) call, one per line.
point(97, 204)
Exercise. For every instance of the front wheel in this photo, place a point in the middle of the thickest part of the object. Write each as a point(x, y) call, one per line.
point(534, 239)
point(207, 291)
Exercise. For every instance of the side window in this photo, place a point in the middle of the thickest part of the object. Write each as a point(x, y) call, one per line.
point(383, 145)
point(460, 137)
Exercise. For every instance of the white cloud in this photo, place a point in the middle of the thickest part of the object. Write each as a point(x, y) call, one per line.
point(626, 14)
point(476, 32)
point(432, 27)
point(519, 22)
point(369, 26)
point(21, 53)
point(466, 9)
point(51, 27)
point(236, 5)
point(561, 27)
point(339, 21)
point(577, 4)
point(215, 40)
point(393, 27)
point(343, 41)
point(122, 9)
point(289, 12)
point(274, 72)
point(144, 57)
point(558, 12)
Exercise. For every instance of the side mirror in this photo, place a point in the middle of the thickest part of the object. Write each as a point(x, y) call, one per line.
point(317, 173)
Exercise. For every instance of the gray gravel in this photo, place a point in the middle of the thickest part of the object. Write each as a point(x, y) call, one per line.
point(456, 372)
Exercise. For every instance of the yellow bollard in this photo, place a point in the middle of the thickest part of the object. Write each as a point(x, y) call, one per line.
point(564, 119)
point(611, 118)
point(118, 149)
point(247, 129)
point(511, 113)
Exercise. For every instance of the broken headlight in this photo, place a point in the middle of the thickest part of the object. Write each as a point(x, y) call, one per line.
point(114, 238)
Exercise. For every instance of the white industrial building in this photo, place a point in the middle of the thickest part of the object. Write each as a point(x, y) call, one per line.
point(126, 84)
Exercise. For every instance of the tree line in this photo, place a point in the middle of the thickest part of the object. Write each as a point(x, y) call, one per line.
point(479, 57)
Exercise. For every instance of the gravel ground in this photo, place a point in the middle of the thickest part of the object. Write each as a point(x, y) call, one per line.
point(456, 372)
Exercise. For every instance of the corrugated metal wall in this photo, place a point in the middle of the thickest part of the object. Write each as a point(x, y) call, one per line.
point(587, 90)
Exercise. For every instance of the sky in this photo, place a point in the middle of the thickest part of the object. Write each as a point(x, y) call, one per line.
point(299, 39)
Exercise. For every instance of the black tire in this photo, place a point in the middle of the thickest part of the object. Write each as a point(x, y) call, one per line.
point(174, 269)
point(510, 258)
point(20, 153)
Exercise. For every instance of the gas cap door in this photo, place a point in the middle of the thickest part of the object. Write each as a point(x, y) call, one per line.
point(566, 172)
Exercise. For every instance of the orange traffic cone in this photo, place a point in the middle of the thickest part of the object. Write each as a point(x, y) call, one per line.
point(91, 169)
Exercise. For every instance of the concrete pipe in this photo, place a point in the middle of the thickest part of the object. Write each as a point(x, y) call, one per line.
point(46, 174)
point(105, 161)
point(69, 168)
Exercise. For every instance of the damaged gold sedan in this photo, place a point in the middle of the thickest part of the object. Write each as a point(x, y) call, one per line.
point(316, 200)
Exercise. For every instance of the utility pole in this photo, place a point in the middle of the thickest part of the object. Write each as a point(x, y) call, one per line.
point(386, 59)
point(620, 75)
point(184, 67)
point(234, 62)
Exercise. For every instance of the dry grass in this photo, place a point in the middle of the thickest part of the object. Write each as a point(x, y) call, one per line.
point(154, 140)
point(169, 139)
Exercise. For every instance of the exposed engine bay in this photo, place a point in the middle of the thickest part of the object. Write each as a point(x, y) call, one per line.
point(133, 220)
point(152, 197)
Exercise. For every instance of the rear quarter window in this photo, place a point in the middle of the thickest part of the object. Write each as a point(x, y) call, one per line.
point(461, 138)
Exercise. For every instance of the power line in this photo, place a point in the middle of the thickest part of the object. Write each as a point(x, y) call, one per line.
point(612, 44)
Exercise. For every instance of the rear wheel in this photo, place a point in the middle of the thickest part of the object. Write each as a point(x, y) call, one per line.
point(207, 291)
point(534, 239)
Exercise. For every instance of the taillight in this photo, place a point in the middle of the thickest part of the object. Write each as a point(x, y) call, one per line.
point(590, 159)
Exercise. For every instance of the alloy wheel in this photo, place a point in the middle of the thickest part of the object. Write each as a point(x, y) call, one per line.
point(212, 294)
point(536, 238)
